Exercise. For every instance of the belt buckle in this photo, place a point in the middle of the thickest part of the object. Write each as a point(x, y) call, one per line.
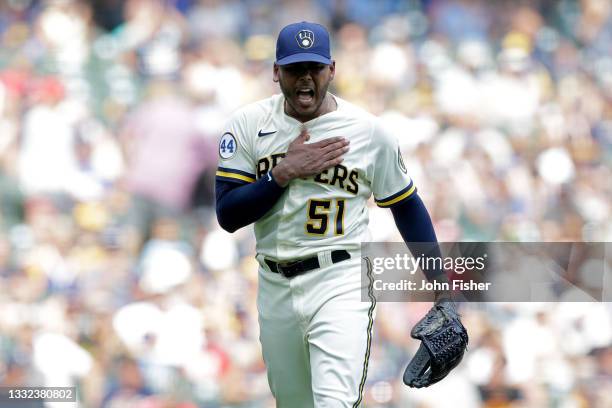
point(285, 268)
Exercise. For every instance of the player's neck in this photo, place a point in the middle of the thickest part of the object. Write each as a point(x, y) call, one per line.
point(329, 105)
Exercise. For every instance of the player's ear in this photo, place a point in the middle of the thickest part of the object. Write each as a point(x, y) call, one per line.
point(332, 70)
point(275, 70)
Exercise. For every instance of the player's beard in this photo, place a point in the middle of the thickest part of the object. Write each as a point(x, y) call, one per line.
point(303, 108)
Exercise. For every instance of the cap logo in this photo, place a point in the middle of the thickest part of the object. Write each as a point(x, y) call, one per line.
point(305, 39)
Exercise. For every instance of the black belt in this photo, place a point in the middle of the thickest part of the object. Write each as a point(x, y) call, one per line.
point(291, 269)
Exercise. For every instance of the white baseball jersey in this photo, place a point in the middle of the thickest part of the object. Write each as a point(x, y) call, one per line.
point(323, 212)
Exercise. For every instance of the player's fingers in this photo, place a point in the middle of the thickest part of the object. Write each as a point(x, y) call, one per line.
point(333, 154)
point(335, 146)
point(327, 142)
point(331, 163)
point(302, 137)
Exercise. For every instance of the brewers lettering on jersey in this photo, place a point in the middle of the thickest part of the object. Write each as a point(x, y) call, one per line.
point(301, 166)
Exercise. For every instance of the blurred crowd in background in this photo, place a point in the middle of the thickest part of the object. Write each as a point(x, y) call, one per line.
point(114, 275)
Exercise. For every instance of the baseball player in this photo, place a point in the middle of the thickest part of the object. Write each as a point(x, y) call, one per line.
point(301, 165)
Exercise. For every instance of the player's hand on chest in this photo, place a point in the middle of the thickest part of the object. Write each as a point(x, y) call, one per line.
point(302, 159)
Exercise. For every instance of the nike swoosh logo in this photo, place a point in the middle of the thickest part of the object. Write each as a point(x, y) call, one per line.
point(262, 133)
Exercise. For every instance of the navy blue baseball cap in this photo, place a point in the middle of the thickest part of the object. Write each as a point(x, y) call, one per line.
point(303, 42)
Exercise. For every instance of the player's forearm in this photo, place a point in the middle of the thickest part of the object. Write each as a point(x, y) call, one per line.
point(415, 226)
point(241, 205)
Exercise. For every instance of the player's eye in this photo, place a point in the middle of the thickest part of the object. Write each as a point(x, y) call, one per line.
point(316, 68)
point(293, 69)
point(300, 68)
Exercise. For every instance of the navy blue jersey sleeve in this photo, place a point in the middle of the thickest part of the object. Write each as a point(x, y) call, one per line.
point(415, 226)
point(239, 204)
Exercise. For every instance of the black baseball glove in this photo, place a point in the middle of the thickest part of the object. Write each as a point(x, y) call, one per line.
point(443, 342)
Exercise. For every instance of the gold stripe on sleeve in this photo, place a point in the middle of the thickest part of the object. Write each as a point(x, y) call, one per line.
point(398, 198)
point(235, 176)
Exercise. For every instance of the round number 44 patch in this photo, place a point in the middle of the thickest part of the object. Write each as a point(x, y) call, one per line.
point(227, 146)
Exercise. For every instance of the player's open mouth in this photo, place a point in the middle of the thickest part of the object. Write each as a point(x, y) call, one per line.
point(305, 96)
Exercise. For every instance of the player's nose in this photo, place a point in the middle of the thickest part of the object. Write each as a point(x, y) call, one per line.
point(304, 72)
point(305, 75)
